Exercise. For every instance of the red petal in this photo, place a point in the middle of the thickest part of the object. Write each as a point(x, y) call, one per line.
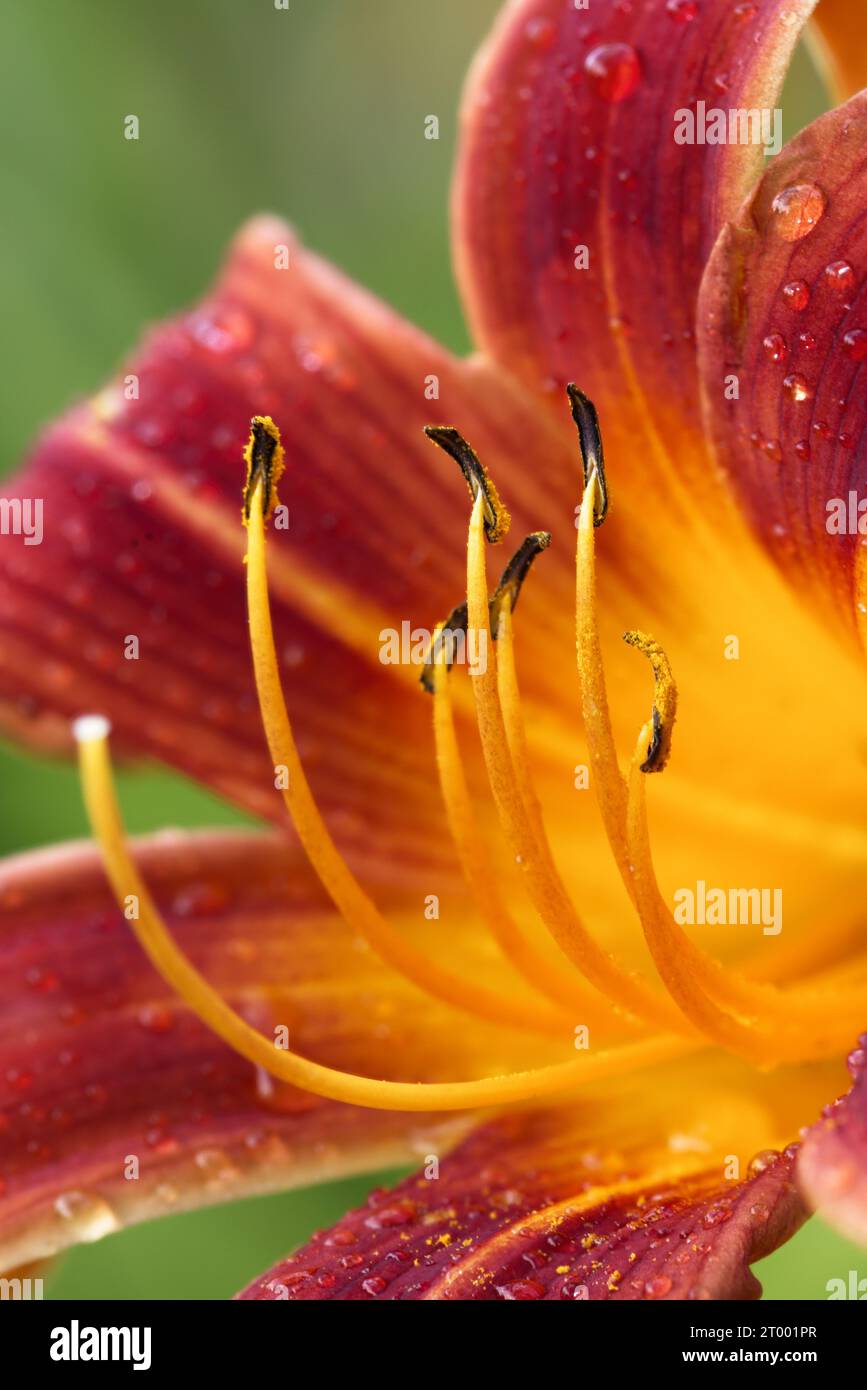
point(787, 318)
point(832, 1168)
point(569, 141)
point(524, 1209)
point(143, 536)
point(100, 1064)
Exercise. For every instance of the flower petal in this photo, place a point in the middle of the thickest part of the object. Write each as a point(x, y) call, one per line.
point(839, 27)
point(568, 143)
point(528, 1207)
point(116, 1105)
point(783, 313)
point(832, 1167)
point(142, 538)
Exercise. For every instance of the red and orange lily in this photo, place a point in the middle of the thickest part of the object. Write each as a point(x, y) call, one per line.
point(461, 953)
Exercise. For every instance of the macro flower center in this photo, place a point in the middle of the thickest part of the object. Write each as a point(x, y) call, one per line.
point(702, 1003)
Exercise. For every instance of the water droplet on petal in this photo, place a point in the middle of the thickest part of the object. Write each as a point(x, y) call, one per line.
point(682, 11)
point(716, 1215)
point(771, 449)
point(855, 344)
point(839, 276)
point(856, 1060)
point(774, 347)
point(223, 330)
point(155, 1018)
point(658, 1286)
point(797, 387)
point(375, 1285)
point(614, 70)
point(797, 294)
point(797, 210)
point(541, 32)
point(521, 1290)
point(760, 1162)
point(91, 1217)
point(200, 899)
point(217, 1166)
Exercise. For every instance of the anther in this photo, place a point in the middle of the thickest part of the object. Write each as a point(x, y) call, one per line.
point(590, 438)
point(265, 463)
point(445, 641)
point(497, 519)
point(664, 700)
point(509, 587)
point(513, 576)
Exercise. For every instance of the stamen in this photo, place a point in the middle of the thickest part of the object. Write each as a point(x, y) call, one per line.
point(547, 891)
point(607, 779)
point(761, 1036)
point(802, 1009)
point(816, 1017)
point(442, 647)
point(513, 576)
point(497, 519)
point(265, 464)
point(590, 438)
point(337, 879)
point(510, 585)
point(664, 700)
point(156, 940)
point(565, 991)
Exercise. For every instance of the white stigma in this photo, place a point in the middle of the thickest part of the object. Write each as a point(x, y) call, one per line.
point(89, 727)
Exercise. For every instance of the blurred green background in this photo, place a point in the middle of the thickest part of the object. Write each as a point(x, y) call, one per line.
point(316, 113)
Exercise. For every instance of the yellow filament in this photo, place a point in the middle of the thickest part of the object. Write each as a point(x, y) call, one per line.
point(153, 935)
point(808, 1021)
point(607, 779)
point(565, 991)
point(546, 889)
point(789, 1011)
point(339, 882)
point(765, 1029)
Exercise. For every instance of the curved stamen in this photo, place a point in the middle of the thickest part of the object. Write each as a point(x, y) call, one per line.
point(447, 438)
point(565, 991)
point(607, 779)
point(664, 701)
point(796, 1009)
point(547, 891)
point(590, 439)
point(748, 1026)
point(156, 940)
point(508, 591)
point(337, 879)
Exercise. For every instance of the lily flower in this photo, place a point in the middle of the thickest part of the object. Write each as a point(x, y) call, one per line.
point(597, 972)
